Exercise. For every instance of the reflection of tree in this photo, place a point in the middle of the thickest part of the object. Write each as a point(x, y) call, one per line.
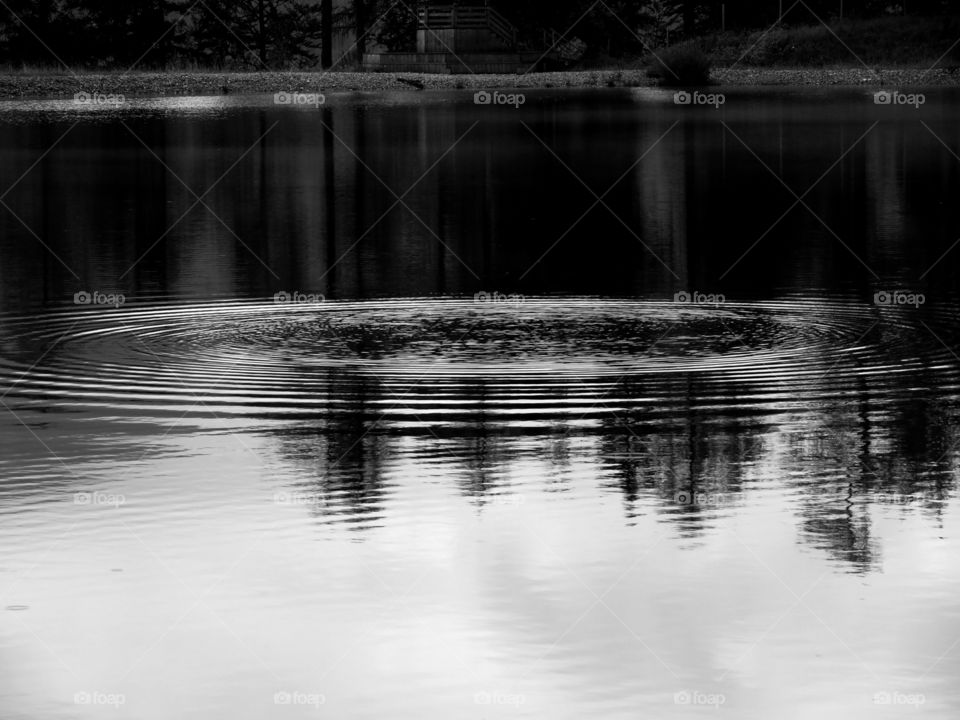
point(342, 457)
point(843, 532)
point(831, 461)
point(854, 461)
point(676, 452)
point(481, 448)
point(329, 229)
point(888, 200)
point(478, 478)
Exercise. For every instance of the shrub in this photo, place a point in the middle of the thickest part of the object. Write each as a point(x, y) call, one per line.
point(683, 64)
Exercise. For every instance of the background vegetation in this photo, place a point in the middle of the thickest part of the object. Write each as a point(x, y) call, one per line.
point(297, 34)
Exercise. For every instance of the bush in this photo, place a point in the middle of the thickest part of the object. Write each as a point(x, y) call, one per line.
point(888, 42)
point(683, 64)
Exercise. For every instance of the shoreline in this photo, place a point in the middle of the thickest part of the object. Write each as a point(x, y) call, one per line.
point(25, 85)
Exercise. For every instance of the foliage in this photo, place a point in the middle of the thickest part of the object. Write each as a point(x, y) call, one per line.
point(155, 33)
point(880, 41)
point(254, 33)
point(258, 34)
point(397, 29)
point(683, 64)
point(662, 21)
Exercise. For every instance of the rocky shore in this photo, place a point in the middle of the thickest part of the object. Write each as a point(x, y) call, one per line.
point(14, 85)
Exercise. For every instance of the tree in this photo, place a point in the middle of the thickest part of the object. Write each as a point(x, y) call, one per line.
point(362, 16)
point(397, 29)
point(661, 22)
point(326, 26)
point(119, 32)
point(255, 33)
point(36, 32)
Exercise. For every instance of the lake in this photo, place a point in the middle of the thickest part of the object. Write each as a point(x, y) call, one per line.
point(401, 406)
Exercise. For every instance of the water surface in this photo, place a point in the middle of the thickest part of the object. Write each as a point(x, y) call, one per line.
point(404, 416)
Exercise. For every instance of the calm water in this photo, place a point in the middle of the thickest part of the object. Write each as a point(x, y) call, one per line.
point(384, 498)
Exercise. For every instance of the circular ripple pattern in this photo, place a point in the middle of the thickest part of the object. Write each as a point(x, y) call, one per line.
point(430, 356)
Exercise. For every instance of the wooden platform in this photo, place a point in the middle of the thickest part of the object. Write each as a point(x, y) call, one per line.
point(470, 37)
point(453, 64)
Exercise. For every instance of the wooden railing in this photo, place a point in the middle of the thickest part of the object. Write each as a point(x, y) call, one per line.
point(442, 17)
point(501, 26)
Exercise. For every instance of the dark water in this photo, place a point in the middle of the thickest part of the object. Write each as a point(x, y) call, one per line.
point(481, 462)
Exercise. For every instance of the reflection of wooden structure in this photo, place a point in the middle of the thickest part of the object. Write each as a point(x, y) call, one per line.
point(463, 36)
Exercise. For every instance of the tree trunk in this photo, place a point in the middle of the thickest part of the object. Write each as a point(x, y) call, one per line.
point(688, 29)
point(360, 17)
point(326, 22)
point(262, 31)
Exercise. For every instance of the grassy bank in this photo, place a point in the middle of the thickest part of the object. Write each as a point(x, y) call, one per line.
point(62, 85)
point(895, 52)
point(50, 84)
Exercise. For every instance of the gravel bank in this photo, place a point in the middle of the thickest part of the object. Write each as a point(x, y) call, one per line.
point(25, 85)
